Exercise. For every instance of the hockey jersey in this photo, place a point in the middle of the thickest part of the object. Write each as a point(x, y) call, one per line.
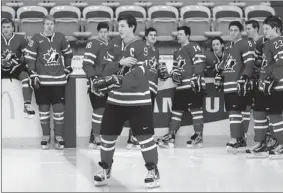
point(152, 63)
point(93, 57)
point(44, 56)
point(274, 58)
point(212, 60)
point(135, 87)
point(259, 44)
point(239, 59)
point(191, 60)
point(15, 45)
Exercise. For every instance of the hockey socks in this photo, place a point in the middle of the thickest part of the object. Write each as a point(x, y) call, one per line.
point(148, 148)
point(197, 120)
point(107, 149)
point(175, 123)
point(44, 119)
point(58, 116)
point(236, 128)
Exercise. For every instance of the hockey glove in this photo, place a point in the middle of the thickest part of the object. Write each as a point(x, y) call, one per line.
point(108, 83)
point(219, 67)
point(243, 85)
point(163, 73)
point(197, 83)
point(176, 75)
point(92, 88)
point(268, 85)
point(34, 81)
point(68, 70)
point(218, 83)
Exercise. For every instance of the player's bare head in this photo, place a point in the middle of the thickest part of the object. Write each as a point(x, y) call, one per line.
point(103, 30)
point(272, 27)
point(127, 25)
point(235, 30)
point(183, 34)
point(48, 24)
point(252, 28)
point(150, 35)
point(8, 27)
point(217, 44)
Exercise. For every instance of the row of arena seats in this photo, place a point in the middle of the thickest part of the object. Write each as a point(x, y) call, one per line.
point(74, 23)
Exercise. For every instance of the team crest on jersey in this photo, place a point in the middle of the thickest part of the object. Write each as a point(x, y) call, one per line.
point(180, 62)
point(7, 54)
point(230, 64)
point(264, 62)
point(51, 57)
point(152, 62)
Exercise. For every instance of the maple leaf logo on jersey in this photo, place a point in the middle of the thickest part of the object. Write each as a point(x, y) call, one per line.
point(152, 62)
point(7, 54)
point(230, 63)
point(180, 62)
point(264, 62)
point(52, 56)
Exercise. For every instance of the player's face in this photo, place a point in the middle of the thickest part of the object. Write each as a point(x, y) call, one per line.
point(7, 29)
point(103, 33)
point(269, 32)
point(217, 46)
point(250, 30)
point(151, 38)
point(234, 33)
point(124, 29)
point(181, 37)
point(48, 26)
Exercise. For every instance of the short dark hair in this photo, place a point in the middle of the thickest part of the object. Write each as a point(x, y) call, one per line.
point(254, 23)
point(186, 29)
point(217, 38)
point(148, 30)
point(236, 23)
point(131, 20)
point(273, 21)
point(6, 20)
point(102, 25)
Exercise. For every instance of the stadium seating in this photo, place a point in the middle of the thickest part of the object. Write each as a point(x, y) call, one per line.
point(8, 12)
point(223, 15)
point(165, 19)
point(258, 13)
point(30, 19)
point(198, 18)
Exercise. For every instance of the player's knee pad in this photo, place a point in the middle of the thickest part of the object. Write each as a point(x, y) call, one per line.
point(58, 113)
point(146, 142)
point(44, 114)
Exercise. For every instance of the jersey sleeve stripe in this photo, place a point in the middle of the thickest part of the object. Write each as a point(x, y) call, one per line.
point(248, 53)
point(88, 60)
point(90, 54)
point(69, 52)
point(30, 52)
point(249, 59)
point(66, 48)
point(29, 57)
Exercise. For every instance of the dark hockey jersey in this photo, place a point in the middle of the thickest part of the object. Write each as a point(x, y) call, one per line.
point(274, 56)
point(212, 60)
point(93, 57)
point(259, 49)
point(15, 45)
point(239, 59)
point(135, 86)
point(191, 59)
point(153, 62)
point(44, 56)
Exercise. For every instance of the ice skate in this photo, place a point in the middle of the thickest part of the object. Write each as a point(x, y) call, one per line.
point(45, 142)
point(28, 111)
point(132, 142)
point(152, 178)
point(101, 178)
point(257, 151)
point(167, 141)
point(59, 142)
point(276, 153)
point(94, 141)
point(196, 141)
point(236, 145)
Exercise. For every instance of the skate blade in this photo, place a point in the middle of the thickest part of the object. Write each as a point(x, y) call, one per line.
point(231, 150)
point(275, 157)
point(28, 116)
point(45, 147)
point(98, 183)
point(59, 147)
point(154, 184)
point(93, 146)
point(195, 146)
point(256, 155)
point(171, 146)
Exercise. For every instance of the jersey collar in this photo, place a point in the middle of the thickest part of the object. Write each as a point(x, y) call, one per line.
point(52, 37)
point(7, 42)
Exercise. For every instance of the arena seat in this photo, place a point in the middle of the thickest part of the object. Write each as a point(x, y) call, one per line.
point(258, 13)
point(68, 19)
point(223, 15)
point(8, 12)
point(165, 19)
point(138, 12)
point(30, 19)
point(198, 18)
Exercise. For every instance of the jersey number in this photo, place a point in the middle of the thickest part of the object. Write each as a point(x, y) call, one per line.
point(278, 44)
point(89, 44)
point(196, 48)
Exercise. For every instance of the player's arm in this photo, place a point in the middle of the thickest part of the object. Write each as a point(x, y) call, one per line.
point(68, 55)
point(91, 53)
point(176, 73)
point(31, 52)
point(162, 70)
point(248, 57)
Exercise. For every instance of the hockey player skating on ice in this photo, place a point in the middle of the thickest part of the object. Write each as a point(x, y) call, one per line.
point(48, 76)
point(238, 68)
point(187, 74)
point(128, 100)
point(93, 67)
point(156, 70)
point(13, 63)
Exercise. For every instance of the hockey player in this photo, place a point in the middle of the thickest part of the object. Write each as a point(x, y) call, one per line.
point(238, 68)
point(271, 82)
point(49, 76)
point(93, 67)
point(187, 74)
point(156, 70)
point(13, 63)
point(128, 100)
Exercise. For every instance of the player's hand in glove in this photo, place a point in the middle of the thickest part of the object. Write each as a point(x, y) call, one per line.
point(218, 83)
point(92, 87)
point(34, 81)
point(197, 83)
point(268, 84)
point(108, 83)
point(68, 70)
point(243, 85)
point(163, 73)
point(176, 75)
